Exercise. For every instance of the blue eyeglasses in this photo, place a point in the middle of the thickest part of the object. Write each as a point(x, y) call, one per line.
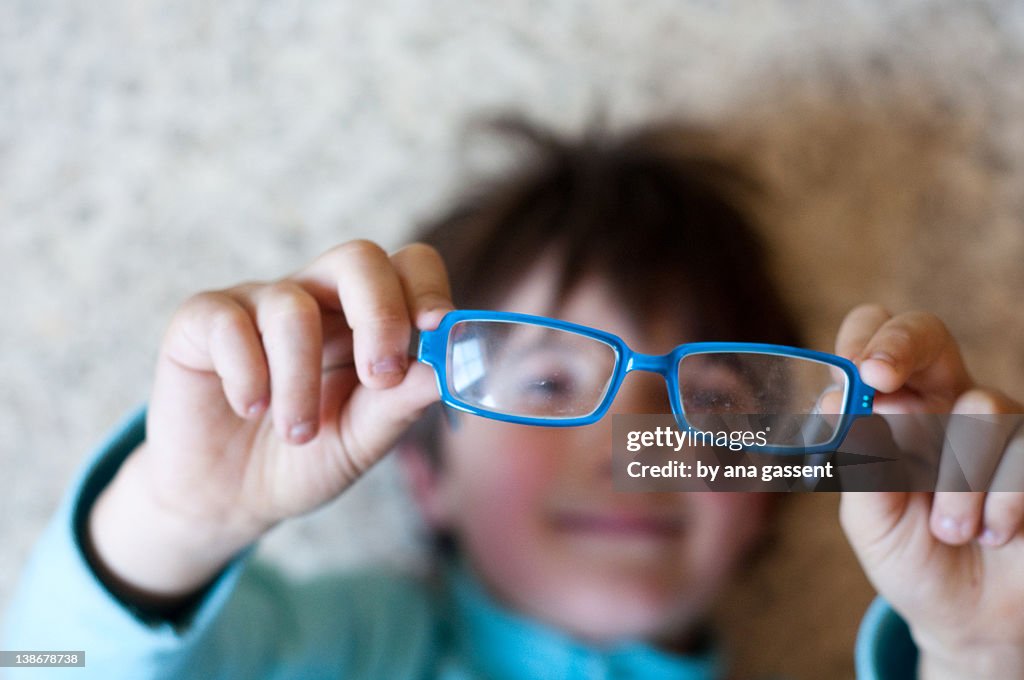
point(535, 370)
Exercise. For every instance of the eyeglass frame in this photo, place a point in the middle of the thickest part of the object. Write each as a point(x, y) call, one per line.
point(433, 351)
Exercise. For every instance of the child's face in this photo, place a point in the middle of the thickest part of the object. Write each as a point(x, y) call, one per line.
point(535, 514)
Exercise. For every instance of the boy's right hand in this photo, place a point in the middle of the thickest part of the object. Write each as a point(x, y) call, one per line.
point(269, 400)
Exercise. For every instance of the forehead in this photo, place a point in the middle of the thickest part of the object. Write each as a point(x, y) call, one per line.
point(595, 301)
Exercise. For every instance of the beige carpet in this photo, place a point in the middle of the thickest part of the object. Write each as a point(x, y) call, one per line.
point(150, 149)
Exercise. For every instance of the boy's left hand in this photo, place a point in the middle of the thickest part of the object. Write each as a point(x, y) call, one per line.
point(951, 563)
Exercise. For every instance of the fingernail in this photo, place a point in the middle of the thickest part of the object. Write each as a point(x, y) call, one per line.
point(257, 407)
point(991, 538)
point(388, 366)
point(431, 318)
point(953, 529)
point(883, 356)
point(434, 303)
point(301, 432)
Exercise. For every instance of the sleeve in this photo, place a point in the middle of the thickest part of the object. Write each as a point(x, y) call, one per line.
point(885, 649)
point(249, 623)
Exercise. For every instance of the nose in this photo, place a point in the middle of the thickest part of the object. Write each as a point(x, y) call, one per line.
point(642, 392)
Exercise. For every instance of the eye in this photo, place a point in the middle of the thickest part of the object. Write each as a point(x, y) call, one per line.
point(548, 373)
point(552, 378)
point(550, 384)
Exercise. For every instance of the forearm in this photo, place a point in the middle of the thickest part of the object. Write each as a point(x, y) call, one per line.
point(148, 555)
point(59, 603)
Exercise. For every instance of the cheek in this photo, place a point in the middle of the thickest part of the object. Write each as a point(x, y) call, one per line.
point(498, 478)
point(499, 481)
point(486, 457)
point(729, 525)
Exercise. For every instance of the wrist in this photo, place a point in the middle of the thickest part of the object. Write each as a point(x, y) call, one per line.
point(147, 551)
point(976, 661)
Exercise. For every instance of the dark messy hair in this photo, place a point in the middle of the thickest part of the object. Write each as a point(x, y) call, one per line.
point(661, 218)
point(653, 209)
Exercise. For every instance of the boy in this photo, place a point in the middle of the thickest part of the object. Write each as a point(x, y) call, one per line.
point(271, 398)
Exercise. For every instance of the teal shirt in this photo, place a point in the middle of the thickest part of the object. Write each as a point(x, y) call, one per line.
point(252, 623)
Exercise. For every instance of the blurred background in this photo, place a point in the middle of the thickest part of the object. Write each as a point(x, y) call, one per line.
point(151, 149)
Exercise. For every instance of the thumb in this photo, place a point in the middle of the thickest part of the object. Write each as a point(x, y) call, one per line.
point(876, 521)
point(373, 419)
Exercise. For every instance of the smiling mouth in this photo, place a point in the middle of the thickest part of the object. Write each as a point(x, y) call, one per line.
point(619, 524)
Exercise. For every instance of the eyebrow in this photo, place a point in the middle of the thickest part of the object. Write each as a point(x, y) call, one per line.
point(546, 332)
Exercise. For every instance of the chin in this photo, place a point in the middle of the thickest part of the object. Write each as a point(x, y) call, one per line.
point(610, 615)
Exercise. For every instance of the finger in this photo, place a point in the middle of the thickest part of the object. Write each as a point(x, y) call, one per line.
point(289, 321)
point(1004, 506)
point(915, 349)
point(974, 438)
point(1004, 515)
point(831, 401)
point(337, 342)
point(425, 283)
point(973, 446)
point(212, 332)
point(956, 515)
point(367, 289)
point(859, 326)
point(335, 333)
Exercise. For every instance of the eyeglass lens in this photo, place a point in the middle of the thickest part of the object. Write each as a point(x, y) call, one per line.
point(530, 370)
point(796, 401)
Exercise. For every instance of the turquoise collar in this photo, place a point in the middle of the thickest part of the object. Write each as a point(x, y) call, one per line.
point(501, 644)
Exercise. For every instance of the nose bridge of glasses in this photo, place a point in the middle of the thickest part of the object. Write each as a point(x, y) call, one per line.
point(651, 363)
